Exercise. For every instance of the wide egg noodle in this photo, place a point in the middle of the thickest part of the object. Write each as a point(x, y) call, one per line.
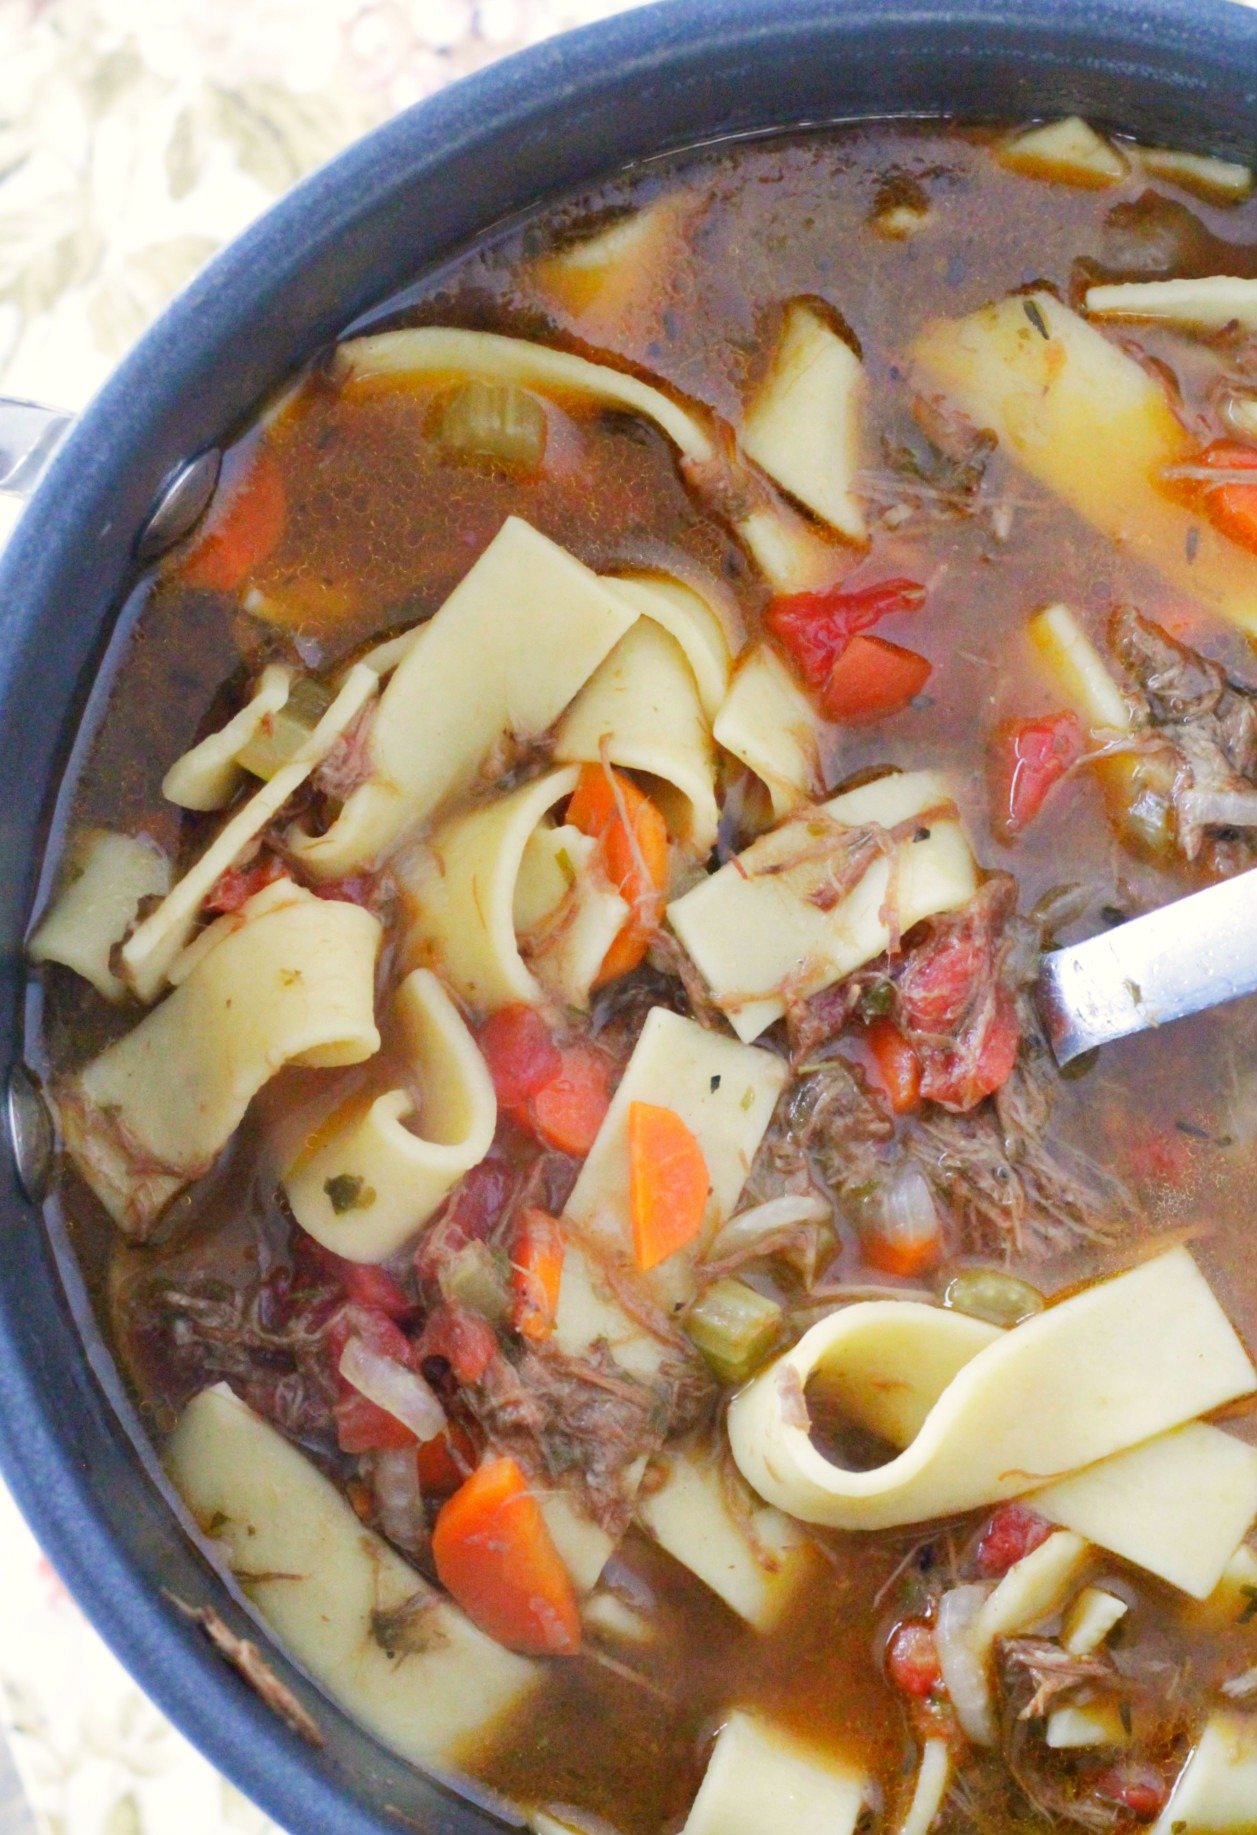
point(725, 1094)
point(566, 912)
point(109, 876)
point(289, 979)
point(768, 724)
point(149, 953)
point(761, 1780)
point(517, 638)
point(208, 776)
point(764, 926)
point(694, 620)
point(1090, 423)
point(984, 1415)
point(803, 425)
point(438, 351)
point(370, 1181)
point(749, 1554)
point(641, 710)
point(461, 888)
point(393, 1651)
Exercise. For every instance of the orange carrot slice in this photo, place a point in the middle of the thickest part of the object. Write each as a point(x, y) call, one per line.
point(536, 1274)
point(609, 806)
point(495, 1556)
point(668, 1183)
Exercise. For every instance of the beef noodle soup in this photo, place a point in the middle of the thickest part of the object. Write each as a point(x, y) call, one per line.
point(537, 999)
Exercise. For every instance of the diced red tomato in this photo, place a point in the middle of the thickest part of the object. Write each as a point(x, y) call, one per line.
point(815, 628)
point(447, 1459)
point(467, 1342)
point(237, 885)
point(521, 1056)
point(1012, 1533)
point(245, 525)
point(872, 680)
point(912, 1659)
point(369, 1286)
point(1027, 758)
point(363, 1426)
point(896, 1066)
point(1232, 507)
point(567, 1112)
point(377, 1331)
point(961, 1078)
point(1135, 1785)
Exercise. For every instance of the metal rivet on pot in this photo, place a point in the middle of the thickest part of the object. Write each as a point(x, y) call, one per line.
point(31, 1134)
point(179, 504)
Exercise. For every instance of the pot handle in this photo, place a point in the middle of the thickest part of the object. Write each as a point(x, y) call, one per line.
point(29, 436)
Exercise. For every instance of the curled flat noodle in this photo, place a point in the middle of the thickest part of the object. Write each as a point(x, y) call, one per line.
point(824, 893)
point(518, 637)
point(435, 351)
point(366, 1181)
point(469, 886)
point(208, 776)
point(150, 951)
point(396, 1654)
point(1090, 423)
point(803, 425)
point(109, 875)
point(984, 1414)
point(768, 723)
point(567, 913)
point(641, 710)
point(288, 979)
point(725, 1094)
point(702, 630)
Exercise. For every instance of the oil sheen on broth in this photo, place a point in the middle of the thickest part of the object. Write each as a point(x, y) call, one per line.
point(538, 1358)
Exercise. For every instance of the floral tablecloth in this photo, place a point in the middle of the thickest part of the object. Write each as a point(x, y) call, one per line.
point(136, 136)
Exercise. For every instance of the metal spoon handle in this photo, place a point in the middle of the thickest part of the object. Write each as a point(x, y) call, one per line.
point(29, 435)
point(1193, 953)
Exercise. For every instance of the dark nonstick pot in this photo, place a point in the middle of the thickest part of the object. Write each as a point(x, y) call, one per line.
point(1182, 72)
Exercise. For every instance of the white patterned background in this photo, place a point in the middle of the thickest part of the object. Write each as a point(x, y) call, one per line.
point(137, 136)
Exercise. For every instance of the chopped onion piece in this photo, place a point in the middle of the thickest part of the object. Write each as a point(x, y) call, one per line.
point(1218, 808)
point(392, 1387)
point(768, 1219)
point(964, 1672)
point(398, 1498)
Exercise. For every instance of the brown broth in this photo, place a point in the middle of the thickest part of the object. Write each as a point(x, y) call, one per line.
point(382, 524)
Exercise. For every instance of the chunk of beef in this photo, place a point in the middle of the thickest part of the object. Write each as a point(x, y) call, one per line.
point(952, 993)
point(582, 1422)
point(1208, 724)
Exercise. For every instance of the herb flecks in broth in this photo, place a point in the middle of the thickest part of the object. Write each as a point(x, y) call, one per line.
point(541, 985)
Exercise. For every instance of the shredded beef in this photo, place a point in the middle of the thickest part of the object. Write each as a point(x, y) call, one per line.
point(199, 1331)
point(952, 993)
point(1207, 723)
point(583, 1422)
point(1008, 1186)
point(832, 1119)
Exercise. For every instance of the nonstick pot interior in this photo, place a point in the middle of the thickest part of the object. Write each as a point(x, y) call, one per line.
point(535, 126)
